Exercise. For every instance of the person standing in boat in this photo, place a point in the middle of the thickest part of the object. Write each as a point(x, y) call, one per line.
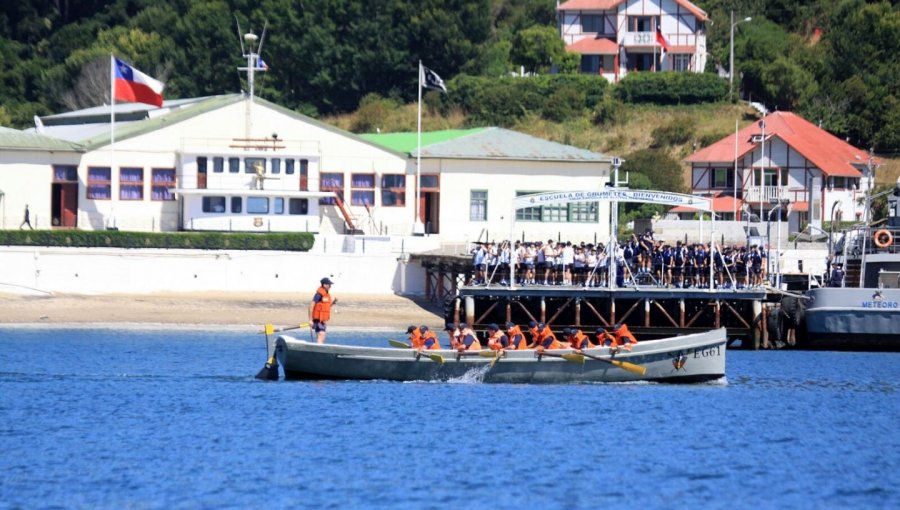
point(467, 339)
point(320, 309)
point(837, 275)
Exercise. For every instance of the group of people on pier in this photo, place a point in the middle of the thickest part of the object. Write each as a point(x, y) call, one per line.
point(537, 336)
point(639, 260)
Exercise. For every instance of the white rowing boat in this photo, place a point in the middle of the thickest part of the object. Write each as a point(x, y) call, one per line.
point(688, 358)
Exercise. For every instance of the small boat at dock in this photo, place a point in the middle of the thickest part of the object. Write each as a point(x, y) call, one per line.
point(690, 358)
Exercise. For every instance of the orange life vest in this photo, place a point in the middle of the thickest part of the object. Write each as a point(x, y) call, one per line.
point(553, 344)
point(514, 332)
point(475, 345)
point(429, 335)
point(322, 309)
point(494, 340)
point(624, 336)
point(578, 340)
point(415, 339)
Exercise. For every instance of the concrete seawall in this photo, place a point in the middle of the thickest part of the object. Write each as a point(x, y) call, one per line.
point(138, 271)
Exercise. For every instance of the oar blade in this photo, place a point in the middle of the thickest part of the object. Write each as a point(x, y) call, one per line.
point(269, 329)
point(631, 367)
point(574, 357)
point(398, 344)
point(270, 371)
point(437, 358)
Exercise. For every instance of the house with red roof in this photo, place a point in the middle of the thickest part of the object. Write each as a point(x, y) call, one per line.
point(782, 160)
point(615, 37)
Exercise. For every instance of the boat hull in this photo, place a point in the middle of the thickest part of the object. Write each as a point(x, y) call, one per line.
point(690, 358)
point(853, 319)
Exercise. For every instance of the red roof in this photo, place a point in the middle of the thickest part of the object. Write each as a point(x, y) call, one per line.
point(829, 153)
point(594, 46)
point(720, 204)
point(606, 5)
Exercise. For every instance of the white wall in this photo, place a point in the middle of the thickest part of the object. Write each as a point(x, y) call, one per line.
point(502, 179)
point(110, 271)
point(25, 178)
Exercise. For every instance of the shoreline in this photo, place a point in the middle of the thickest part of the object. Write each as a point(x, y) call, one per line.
point(205, 310)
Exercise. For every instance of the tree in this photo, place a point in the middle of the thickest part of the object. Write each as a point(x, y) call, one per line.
point(537, 48)
point(664, 172)
point(786, 84)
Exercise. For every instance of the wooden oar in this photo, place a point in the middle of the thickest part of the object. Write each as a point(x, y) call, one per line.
point(496, 355)
point(270, 329)
point(269, 371)
point(574, 357)
point(624, 365)
point(437, 358)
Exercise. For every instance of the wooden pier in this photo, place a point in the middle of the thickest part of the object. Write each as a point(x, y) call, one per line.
point(648, 310)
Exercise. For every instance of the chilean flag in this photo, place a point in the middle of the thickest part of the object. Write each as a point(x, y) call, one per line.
point(661, 40)
point(132, 85)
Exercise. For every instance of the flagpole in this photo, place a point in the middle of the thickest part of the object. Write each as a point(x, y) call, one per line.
point(418, 228)
point(112, 104)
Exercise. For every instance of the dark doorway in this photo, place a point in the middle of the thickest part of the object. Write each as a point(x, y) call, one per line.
point(430, 207)
point(64, 204)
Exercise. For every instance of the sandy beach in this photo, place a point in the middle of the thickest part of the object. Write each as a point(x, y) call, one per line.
point(214, 309)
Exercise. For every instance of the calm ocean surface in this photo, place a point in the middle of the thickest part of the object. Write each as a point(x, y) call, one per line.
point(113, 418)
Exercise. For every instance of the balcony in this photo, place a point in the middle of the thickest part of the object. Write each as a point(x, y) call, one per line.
point(756, 194)
point(645, 39)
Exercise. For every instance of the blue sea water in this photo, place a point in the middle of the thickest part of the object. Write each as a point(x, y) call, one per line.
point(113, 418)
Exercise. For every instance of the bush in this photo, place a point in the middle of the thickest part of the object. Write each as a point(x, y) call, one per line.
point(504, 101)
point(610, 111)
point(676, 132)
point(294, 241)
point(672, 88)
point(564, 104)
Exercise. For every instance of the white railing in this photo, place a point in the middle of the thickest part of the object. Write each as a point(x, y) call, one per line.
point(756, 194)
point(649, 39)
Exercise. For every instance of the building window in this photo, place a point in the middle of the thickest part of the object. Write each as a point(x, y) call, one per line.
point(528, 213)
point(234, 165)
point(65, 173)
point(393, 190)
point(681, 62)
point(478, 202)
point(257, 205)
point(362, 189)
point(254, 165)
point(590, 64)
point(289, 166)
point(555, 213)
point(721, 178)
point(131, 184)
point(643, 23)
point(331, 182)
point(583, 212)
point(430, 182)
point(592, 23)
point(218, 164)
point(279, 205)
point(163, 181)
point(99, 184)
point(201, 164)
point(213, 204)
point(276, 165)
point(237, 205)
point(304, 175)
point(298, 206)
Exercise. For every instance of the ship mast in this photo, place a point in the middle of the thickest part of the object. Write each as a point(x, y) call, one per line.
point(254, 64)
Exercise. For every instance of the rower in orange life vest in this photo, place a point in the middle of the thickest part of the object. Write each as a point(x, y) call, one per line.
point(515, 339)
point(546, 338)
point(577, 339)
point(415, 337)
point(428, 339)
point(467, 339)
point(496, 339)
point(320, 309)
point(621, 338)
point(453, 333)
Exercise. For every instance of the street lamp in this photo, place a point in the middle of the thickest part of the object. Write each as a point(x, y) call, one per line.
point(731, 57)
